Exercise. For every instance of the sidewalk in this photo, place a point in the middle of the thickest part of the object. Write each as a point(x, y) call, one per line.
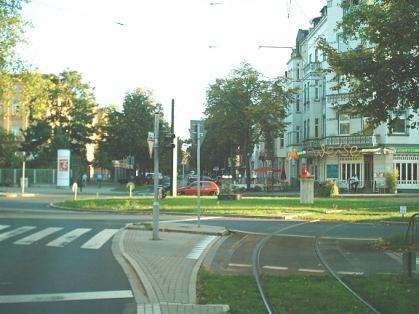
point(90, 189)
point(167, 269)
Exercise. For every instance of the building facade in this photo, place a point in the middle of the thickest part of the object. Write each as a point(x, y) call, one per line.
point(336, 146)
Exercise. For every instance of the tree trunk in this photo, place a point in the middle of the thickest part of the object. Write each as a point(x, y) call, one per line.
point(247, 159)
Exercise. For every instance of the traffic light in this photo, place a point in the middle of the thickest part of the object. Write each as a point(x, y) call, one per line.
point(167, 141)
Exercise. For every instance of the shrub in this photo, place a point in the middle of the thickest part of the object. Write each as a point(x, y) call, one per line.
point(328, 188)
point(391, 180)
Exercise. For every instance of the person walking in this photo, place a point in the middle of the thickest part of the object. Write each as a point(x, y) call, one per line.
point(84, 179)
point(354, 181)
point(99, 179)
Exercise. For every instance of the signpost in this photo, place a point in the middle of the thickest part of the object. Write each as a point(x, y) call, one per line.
point(156, 205)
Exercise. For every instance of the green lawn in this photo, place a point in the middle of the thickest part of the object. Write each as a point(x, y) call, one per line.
point(310, 294)
point(351, 209)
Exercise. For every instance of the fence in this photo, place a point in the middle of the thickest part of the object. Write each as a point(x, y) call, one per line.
point(11, 177)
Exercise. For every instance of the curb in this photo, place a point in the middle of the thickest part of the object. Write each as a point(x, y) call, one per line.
point(180, 228)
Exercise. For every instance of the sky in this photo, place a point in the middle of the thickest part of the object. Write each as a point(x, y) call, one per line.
point(173, 48)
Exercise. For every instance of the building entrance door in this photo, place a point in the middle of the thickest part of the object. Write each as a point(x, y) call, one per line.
point(368, 171)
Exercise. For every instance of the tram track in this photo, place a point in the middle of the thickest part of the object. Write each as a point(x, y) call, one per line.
point(257, 269)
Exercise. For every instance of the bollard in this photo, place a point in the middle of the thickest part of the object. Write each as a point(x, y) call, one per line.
point(74, 188)
point(130, 186)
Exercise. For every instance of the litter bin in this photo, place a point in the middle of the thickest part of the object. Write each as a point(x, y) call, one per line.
point(24, 181)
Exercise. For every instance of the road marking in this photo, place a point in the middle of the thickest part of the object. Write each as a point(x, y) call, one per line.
point(15, 232)
point(4, 227)
point(309, 270)
point(350, 273)
point(99, 239)
point(71, 296)
point(200, 247)
point(350, 239)
point(68, 237)
point(275, 267)
point(38, 236)
point(239, 265)
point(191, 219)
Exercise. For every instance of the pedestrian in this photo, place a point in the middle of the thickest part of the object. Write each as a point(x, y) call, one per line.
point(99, 179)
point(84, 179)
point(354, 181)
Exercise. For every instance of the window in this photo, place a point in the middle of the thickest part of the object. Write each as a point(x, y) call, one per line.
point(309, 58)
point(344, 124)
point(316, 55)
point(398, 125)
point(316, 127)
point(298, 135)
point(15, 107)
point(350, 169)
point(281, 140)
point(297, 104)
point(15, 130)
point(316, 89)
point(305, 129)
point(308, 128)
point(297, 72)
point(342, 45)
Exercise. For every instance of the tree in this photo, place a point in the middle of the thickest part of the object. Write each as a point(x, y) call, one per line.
point(381, 72)
point(8, 147)
point(244, 109)
point(124, 133)
point(11, 31)
point(67, 120)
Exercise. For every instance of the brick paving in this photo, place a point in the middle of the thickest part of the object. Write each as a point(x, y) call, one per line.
point(167, 275)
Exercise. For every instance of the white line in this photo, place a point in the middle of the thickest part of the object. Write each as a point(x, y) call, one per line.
point(239, 265)
point(15, 232)
point(71, 296)
point(200, 247)
point(351, 239)
point(308, 270)
point(100, 239)
point(350, 273)
point(68, 237)
point(275, 267)
point(37, 236)
point(191, 219)
point(4, 227)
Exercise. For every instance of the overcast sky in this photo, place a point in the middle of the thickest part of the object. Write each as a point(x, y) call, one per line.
point(162, 45)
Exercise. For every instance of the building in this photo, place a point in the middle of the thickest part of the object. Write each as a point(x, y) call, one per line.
point(336, 146)
point(13, 118)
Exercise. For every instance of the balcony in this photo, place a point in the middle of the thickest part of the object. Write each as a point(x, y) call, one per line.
point(312, 67)
point(338, 141)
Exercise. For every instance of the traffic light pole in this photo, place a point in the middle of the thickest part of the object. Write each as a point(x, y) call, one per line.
point(156, 205)
point(198, 170)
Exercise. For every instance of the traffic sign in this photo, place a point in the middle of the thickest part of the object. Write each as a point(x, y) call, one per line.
point(150, 141)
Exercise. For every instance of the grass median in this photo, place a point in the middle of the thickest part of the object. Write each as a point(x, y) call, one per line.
point(340, 209)
point(310, 294)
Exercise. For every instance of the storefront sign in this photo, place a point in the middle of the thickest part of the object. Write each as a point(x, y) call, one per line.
point(343, 150)
point(332, 171)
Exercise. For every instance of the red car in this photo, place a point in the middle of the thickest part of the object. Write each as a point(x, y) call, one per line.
point(207, 188)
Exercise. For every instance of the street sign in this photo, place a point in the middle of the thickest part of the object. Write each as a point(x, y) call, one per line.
point(150, 141)
point(403, 210)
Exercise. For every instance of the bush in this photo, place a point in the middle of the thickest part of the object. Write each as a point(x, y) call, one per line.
point(391, 180)
point(328, 188)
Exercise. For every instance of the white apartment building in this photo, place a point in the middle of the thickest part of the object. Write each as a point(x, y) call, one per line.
point(336, 146)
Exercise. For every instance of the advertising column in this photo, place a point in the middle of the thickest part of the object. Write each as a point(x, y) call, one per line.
point(63, 167)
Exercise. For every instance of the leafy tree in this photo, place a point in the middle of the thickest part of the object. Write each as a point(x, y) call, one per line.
point(8, 147)
point(67, 122)
point(124, 133)
point(244, 109)
point(381, 72)
point(11, 31)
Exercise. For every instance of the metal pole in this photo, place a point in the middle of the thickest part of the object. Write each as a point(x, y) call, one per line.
point(22, 183)
point(173, 177)
point(156, 205)
point(198, 170)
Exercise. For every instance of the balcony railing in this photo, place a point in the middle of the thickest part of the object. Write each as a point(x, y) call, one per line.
point(312, 67)
point(338, 141)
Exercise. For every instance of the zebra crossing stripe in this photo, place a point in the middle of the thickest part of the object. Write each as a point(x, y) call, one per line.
point(200, 247)
point(68, 237)
point(99, 239)
point(37, 236)
point(4, 227)
point(15, 232)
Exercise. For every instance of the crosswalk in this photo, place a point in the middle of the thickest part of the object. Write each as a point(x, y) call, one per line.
point(54, 236)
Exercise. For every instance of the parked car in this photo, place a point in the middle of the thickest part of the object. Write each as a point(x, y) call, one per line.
point(207, 188)
point(193, 178)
